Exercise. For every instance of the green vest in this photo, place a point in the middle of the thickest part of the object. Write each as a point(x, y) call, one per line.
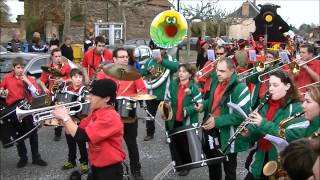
point(192, 114)
point(229, 120)
point(172, 65)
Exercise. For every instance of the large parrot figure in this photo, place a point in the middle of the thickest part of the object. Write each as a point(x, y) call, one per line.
point(168, 29)
point(276, 26)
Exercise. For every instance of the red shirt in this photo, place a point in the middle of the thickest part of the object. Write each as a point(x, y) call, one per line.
point(218, 93)
point(180, 97)
point(105, 131)
point(303, 78)
point(126, 88)
point(91, 60)
point(17, 88)
point(49, 79)
point(274, 105)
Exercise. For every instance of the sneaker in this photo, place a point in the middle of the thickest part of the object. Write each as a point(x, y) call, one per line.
point(68, 165)
point(84, 168)
point(183, 172)
point(57, 138)
point(137, 176)
point(148, 137)
point(39, 162)
point(22, 163)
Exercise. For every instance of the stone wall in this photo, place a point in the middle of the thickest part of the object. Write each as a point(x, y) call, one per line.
point(7, 30)
point(242, 30)
point(139, 18)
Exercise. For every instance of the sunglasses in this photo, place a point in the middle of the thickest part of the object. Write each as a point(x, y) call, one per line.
point(219, 53)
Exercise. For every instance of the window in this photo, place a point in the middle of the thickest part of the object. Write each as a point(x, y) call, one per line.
point(35, 67)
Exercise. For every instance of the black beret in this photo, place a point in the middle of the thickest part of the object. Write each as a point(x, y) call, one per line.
point(104, 88)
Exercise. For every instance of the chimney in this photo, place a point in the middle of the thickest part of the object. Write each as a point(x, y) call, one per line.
point(245, 9)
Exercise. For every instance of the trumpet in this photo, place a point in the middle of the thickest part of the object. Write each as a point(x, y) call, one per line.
point(259, 66)
point(294, 67)
point(45, 113)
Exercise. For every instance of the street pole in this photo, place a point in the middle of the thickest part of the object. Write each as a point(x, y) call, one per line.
point(178, 9)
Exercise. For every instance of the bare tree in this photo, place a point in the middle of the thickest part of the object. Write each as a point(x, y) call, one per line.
point(4, 11)
point(67, 11)
point(203, 12)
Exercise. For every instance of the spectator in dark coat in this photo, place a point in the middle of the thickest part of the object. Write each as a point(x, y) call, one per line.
point(66, 49)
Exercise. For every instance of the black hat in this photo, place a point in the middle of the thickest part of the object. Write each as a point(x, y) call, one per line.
point(104, 88)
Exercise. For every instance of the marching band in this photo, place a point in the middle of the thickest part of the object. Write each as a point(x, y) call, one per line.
point(245, 104)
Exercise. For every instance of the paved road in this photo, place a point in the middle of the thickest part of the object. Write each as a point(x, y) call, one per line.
point(154, 157)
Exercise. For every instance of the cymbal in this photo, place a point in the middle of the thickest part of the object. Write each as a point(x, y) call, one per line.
point(141, 97)
point(121, 72)
point(51, 71)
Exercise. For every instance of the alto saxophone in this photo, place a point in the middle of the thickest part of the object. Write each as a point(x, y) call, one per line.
point(285, 121)
point(273, 169)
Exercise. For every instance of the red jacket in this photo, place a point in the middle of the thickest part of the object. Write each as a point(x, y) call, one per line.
point(105, 131)
point(17, 88)
point(126, 88)
point(91, 60)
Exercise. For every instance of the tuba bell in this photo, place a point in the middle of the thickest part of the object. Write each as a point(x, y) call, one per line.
point(167, 30)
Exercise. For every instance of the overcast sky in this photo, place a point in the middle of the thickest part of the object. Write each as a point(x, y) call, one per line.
point(295, 12)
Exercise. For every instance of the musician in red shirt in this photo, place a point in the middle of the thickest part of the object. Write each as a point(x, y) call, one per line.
point(94, 57)
point(127, 89)
point(47, 80)
point(309, 72)
point(19, 87)
point(102, 129)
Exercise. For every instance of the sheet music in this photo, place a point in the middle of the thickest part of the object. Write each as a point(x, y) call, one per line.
point(211, 55)
point(156, 53)
point(278, 142)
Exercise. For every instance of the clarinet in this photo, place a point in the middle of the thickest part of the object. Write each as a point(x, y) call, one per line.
point(246, 122)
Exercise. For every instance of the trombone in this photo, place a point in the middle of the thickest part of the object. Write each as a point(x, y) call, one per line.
point(45, 113)
point(308, 85)
point(210, 66)
point(294, 67)
point(259, 66)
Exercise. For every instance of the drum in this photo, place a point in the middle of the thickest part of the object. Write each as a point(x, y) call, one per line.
point(85, 110)
point(186, 147)
point(126, 107)
point(65, 97)
point(11, 129)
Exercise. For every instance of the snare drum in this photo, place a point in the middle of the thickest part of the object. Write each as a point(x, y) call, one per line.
point(126, 107)
point(186, 148)
point(65, 97)
point(11, 129)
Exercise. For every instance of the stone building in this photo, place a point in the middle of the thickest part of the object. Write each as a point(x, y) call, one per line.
point(97, 17)
point(242, 20)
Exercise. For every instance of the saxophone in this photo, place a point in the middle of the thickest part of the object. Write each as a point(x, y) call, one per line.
point(284, 122)
point(273, 169)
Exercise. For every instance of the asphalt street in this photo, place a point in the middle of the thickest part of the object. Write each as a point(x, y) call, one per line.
point(154, 157)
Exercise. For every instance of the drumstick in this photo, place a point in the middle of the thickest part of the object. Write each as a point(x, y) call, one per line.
point(188, 92)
